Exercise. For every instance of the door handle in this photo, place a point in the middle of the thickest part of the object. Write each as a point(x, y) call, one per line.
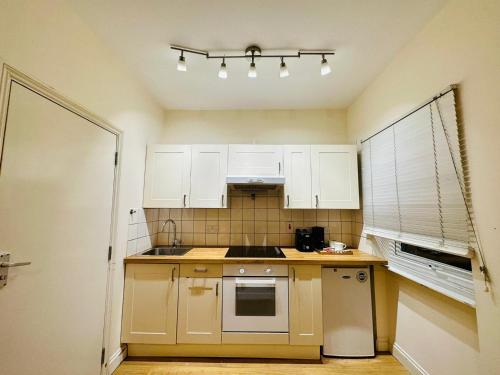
point(222, 200)
point(201, 270)
point(18, 264)
point(317, 201)
point(173, 272)
point(217, 289)
point(279, 168)
point(288, 200)
point(184, 200)
point(293, 272)
point(5, 264)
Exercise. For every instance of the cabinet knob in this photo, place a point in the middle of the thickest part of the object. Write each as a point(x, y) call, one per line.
point(242, 270)
point(268, 270)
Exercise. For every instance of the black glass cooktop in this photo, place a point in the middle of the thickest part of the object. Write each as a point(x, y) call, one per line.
point(254, 252)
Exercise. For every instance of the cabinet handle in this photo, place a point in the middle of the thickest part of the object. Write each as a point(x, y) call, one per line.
point(217, 289)
point(222, 200)
point(293, 272)
point(173, 272)
point(288, 200)
point(317, 201)
point(200, 270)
point(279, 167)
point(184, 200)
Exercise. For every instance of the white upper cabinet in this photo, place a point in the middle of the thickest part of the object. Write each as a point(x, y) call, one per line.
point(208, 176)
point(255, 160)
point(334, 172)
point(167, 179)
point(297, 167)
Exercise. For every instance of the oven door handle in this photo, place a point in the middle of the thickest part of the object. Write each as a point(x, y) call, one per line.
point(256, 283)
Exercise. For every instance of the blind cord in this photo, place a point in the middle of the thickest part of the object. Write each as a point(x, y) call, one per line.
point(482, 265)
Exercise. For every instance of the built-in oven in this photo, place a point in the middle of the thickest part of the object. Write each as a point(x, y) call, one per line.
point(255, 298)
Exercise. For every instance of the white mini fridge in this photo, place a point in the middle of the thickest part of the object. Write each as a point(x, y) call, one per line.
point(347, 312)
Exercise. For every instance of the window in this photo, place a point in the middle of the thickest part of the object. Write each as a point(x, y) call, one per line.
point(447, 274)
point(414, 203)
point(413, 189)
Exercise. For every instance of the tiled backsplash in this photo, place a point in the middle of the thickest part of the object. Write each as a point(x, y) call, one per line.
point(142, 229)
point(256, 220)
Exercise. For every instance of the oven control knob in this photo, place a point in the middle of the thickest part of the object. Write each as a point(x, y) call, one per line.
point(268, 270)
point(242, 270)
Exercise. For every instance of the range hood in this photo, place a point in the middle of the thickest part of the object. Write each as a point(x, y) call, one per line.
point(255, 182)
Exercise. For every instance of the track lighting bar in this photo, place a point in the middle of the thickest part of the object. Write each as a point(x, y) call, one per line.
point(253, 52)
point(243, 56)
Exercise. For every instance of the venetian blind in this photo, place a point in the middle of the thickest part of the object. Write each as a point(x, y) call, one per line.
point(412, 180)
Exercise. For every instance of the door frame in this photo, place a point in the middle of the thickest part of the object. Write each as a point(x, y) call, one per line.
point(10, 75)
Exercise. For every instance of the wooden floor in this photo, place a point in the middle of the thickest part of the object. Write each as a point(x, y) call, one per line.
point(382, 364)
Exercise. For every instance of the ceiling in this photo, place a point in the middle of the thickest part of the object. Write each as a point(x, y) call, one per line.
point(366, 34)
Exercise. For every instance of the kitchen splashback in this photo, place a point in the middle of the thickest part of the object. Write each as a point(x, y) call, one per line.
point(252, 220)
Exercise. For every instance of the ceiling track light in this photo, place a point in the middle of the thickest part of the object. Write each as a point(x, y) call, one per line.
point(181, 64)
point(283, 69)
point(252, 52)
point(223, 69)
point(325, 68)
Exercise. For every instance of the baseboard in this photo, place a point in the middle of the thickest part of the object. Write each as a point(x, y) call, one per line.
point(407, 361)
point(116, 358)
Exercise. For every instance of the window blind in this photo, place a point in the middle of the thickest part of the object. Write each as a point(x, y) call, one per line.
point(412, 180)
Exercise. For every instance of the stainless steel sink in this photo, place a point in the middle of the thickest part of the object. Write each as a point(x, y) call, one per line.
point(167, 250)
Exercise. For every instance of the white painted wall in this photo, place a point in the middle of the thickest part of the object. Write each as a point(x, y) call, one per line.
point(256, 126)
point(460, 45)
point(46, 40)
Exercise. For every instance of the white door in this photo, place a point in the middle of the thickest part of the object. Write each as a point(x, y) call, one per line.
point(168, 169)
point(208, 176)
point(297, 176)
point(334, 170)
point(255, 160)
point(56, 192)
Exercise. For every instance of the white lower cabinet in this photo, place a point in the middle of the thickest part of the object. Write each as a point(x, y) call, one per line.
point(200, 305)
point(150, 304)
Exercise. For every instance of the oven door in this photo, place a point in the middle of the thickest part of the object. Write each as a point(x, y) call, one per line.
point(255, 304)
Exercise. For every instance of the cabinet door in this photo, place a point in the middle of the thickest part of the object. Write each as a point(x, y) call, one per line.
point(306, 319)
point(200, 304)
point(168, 169)
point(334, 170)
point(150, 303)
point(255, 160)
point(297, 176)
point(208, 176)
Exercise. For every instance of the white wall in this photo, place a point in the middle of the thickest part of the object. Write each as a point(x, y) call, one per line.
point(460, 45)
point(254, 126)
point(47, 41)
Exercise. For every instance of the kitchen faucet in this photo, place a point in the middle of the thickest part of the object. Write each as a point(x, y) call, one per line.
point(174, 242)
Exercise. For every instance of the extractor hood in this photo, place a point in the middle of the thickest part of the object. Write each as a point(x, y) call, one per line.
point(255, 182)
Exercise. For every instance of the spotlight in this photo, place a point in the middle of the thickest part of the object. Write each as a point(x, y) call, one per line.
point(181, 64)
point(223, 69)
point(252, 72)
point(283, 69)
point(325, 68)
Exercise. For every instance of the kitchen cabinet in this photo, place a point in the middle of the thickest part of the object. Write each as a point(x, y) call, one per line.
point(334, 174)
point(255, 160)
point(297, 167)
point(306, 320)
point(150, 303)
point(167, 177)
point(200, 306)
point(208, 176)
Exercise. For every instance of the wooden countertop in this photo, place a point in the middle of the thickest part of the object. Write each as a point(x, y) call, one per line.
point(293, 256)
